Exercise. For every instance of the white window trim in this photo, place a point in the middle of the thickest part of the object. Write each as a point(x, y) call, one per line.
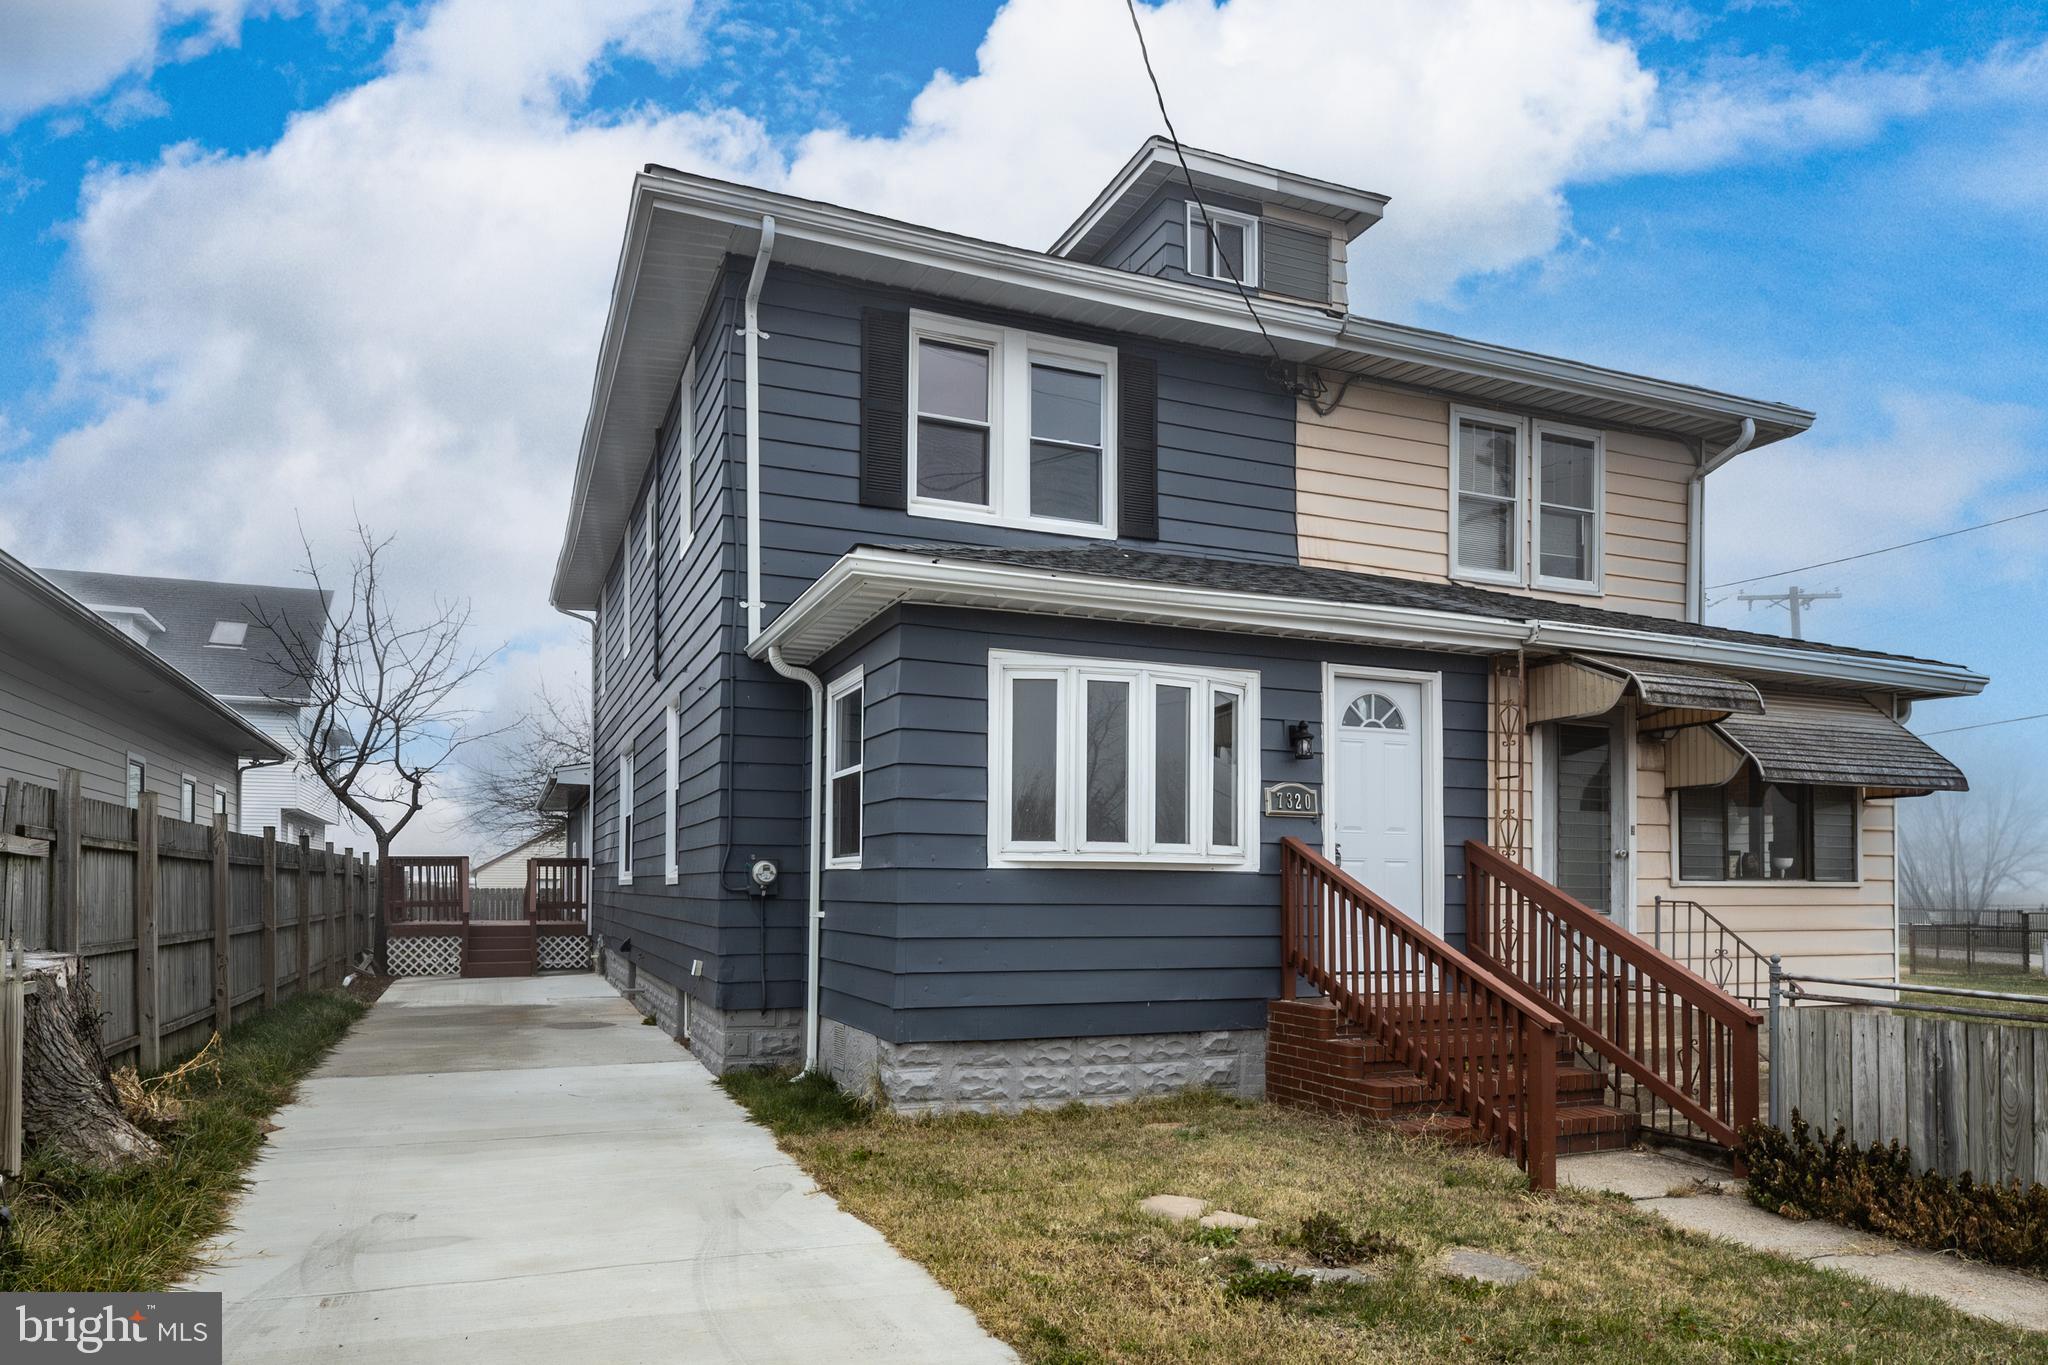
point(1518, 520)
point(1071, 672)
point(141, 783)
point(1196, 232)
point(671, 737)
point(854, 681)
point(622, 818)
point(1597, 584)
point(1857, 801)
point(188, 783)
point(1011, 351)
point(222, 805)
point(686, 458)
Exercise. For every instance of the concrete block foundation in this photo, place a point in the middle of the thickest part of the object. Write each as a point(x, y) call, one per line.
point(723, 1040)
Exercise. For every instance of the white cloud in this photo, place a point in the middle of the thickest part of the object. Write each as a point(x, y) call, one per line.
point(54, 52)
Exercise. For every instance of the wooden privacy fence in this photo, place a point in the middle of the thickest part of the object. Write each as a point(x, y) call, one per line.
point(1960, 1094)
point(185, 928)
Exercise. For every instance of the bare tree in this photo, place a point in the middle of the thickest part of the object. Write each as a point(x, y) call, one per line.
point(1966, 850)
point(383, 715)
point(504, 781)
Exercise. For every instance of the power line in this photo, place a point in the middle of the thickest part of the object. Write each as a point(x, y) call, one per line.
point(1985, 724)
point(1885, 550)
point(1208, 225)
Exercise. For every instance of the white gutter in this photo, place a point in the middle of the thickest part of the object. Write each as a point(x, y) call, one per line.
point(814, 851)
point(1696, 520)
point(866, 582)
point(752, 332)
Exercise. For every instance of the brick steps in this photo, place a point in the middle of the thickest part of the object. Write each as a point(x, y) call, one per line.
point(1315, 1061)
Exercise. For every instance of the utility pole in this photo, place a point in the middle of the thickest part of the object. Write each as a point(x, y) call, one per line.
point(1794, 599)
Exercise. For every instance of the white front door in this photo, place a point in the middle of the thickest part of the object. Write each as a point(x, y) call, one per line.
point(1378, 828)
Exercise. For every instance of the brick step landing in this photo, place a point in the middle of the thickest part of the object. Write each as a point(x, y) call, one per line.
point(1314, 1061)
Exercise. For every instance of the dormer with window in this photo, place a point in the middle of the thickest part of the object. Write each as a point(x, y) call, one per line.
point(1279, 235)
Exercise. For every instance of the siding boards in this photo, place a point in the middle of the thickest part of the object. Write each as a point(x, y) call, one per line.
point(1375, 498)
point(1034, 952)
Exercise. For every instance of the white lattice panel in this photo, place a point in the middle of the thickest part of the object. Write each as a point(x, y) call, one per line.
point(562, 954)
point(424, 956)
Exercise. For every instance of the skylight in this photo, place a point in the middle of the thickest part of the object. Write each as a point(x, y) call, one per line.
point(229, 634)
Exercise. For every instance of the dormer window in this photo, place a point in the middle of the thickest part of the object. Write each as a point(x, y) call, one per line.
point(1234, 250)
point(228, 635)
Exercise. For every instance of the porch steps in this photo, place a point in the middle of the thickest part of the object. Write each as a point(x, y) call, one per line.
point(1315, 1060)
point(500, 948)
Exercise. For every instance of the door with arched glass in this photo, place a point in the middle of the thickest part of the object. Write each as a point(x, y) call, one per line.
point(1378, 752)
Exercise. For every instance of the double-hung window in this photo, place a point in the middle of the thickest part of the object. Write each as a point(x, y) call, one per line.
point(624, 822)
point(1525, 519)
point(1108, 761)
point(1226, 247)
point(845, 763)
point(188, 800)
point(1010, 427)
point(137, 776)
point(220, 800)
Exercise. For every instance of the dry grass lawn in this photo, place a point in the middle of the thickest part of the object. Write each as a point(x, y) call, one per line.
point(1032, 1222)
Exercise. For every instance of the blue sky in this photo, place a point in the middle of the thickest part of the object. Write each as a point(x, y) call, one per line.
point(344, 256)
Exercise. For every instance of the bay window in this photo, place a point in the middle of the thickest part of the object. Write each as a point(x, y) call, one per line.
point(1010, 427)
point(1751, 830)
point(1106, 761)
point(1524, 518)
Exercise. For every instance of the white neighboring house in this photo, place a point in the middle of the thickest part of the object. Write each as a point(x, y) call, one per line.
point(213, 633)
point(509, 867)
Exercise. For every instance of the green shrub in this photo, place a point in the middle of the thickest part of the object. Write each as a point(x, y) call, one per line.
point(1876, 1188)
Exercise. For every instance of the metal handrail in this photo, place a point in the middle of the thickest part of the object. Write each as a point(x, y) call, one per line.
point(1677, 1036)
point(1711, 950)
point(1485, 1046)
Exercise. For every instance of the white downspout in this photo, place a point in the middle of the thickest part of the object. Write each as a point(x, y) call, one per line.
point(1696, 519)
point(752, 332)
point(815, 840)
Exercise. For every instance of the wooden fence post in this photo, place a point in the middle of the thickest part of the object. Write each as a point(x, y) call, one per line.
point(67, 888)
point(332, 902)
point(270, 917)
point(305, 912)
point(223, 1000)
point(149, 1045)
point(348, 908)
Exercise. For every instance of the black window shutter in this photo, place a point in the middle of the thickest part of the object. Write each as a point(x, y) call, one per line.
point(1137, 448)
point(884, 408)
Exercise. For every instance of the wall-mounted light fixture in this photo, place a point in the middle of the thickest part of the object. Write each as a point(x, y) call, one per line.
point(1302, 738)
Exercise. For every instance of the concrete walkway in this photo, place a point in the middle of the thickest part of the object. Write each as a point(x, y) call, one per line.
point(518, 1170)
point(1648, 1178)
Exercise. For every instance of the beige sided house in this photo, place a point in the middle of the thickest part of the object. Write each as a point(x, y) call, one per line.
point(508, 869)
point(1763, 794)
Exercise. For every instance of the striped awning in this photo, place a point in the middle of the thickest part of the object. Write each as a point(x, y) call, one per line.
point(1846, 747)
point(1673, 695)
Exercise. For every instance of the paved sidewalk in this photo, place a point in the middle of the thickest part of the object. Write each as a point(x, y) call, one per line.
point(518, 1170)
point(1649, 1177)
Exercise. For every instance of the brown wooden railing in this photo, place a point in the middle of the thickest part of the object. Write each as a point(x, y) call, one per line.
point(1677, 1039)
point(427, 891)
point(1482, 1044)
point(558, 890)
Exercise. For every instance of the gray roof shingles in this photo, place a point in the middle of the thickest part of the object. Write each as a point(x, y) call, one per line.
point(1268, 578)
point(188, 609)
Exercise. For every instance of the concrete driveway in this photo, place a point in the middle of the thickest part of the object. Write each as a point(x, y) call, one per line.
point(518, 1170)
